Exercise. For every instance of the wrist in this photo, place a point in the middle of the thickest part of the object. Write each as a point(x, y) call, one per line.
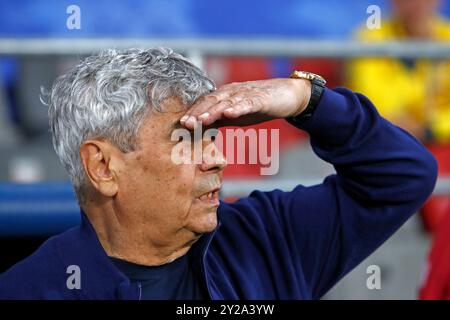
point(316, 88)
point(302, 89)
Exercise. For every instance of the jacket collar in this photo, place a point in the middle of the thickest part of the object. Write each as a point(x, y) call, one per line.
point(100, 277)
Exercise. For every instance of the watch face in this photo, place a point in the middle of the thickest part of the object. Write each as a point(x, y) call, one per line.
point(307, 75)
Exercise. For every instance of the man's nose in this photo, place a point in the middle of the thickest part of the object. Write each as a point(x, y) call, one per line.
point(212, 158)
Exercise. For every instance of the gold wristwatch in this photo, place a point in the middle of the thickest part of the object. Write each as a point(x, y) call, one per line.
point(317, 87)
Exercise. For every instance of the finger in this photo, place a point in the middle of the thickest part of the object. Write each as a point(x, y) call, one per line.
point(216, 112)
point(204, 103)
point(237, 111)
point(209, 115)
point(189, 120)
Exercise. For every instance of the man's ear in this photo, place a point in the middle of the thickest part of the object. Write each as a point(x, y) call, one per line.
point(99, 165)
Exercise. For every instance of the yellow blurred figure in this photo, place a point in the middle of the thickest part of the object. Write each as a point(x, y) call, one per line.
point(414, 94)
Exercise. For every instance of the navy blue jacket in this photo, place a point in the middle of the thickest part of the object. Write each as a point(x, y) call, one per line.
point(272, 245)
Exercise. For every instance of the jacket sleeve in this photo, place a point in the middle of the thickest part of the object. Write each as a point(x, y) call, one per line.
point(383, 176)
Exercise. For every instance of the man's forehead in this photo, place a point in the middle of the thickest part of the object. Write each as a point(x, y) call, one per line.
point(168, 114)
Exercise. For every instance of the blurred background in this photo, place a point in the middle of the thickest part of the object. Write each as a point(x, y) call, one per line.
point(402, 63)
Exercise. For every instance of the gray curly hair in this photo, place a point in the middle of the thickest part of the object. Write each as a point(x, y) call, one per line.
point(109, 95)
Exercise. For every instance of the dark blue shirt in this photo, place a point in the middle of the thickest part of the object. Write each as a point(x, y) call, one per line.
point(172, 281)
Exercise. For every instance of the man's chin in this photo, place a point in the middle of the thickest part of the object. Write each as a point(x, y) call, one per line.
point(205, 223)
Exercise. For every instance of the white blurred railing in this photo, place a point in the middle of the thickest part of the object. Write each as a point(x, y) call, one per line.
point(234, 47)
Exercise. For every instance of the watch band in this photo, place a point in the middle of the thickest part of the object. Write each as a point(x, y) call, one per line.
point(317, 87)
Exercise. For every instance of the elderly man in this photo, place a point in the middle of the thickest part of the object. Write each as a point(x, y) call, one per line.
point(155, 229)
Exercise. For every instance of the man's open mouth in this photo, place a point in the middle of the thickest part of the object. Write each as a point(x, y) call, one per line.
point(210, 197)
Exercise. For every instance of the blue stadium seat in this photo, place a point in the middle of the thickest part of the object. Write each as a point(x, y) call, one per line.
point(37, 209)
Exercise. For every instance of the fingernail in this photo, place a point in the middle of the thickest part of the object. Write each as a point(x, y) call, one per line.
point(192, 120)
point(229, 109)
point(203, 116)
point(184, 118)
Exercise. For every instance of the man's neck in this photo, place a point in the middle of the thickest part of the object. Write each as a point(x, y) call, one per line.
point(137, 243)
